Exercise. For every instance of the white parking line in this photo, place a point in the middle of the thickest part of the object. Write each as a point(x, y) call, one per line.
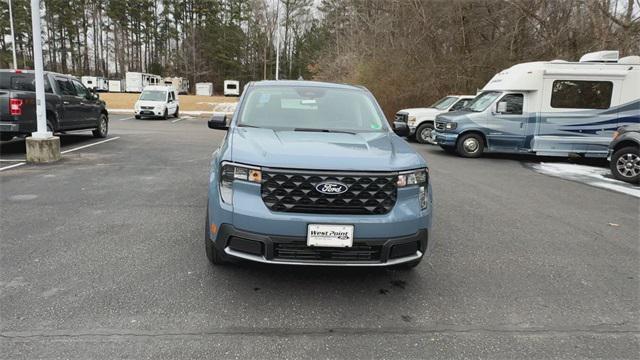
point(125, 119)
point(11, 160)
point(176, 120)
point(12, 166)
point(89, 145)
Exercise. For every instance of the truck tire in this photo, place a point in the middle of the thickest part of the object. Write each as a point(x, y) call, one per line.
point(213, 254)
point(103, 127)
point(424, 133)
point(470, 145)
point(625, 164)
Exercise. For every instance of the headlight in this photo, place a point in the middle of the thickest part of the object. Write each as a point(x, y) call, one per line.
point(418, 178)
point(411, 120)
point(451, 125)
point(230, 172)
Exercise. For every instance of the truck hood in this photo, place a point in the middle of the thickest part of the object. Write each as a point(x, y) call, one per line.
point(367, 151)
point(429, 113)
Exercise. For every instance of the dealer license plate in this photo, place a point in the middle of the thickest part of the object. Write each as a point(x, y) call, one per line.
point(330, 235)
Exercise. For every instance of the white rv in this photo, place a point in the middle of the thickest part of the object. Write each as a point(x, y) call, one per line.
point(204, 89)
point(180, 84)
point(116, 85)
point(231, 88)
point(552, 108)
point(94, 83)
point(137, 81)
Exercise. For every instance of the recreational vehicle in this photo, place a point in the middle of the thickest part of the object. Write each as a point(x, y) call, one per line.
point(94, 83)
point(137, 81)
point(204, 89)
point(116, 85)
point(231, 88)
point(554, 108)
point(180, 84)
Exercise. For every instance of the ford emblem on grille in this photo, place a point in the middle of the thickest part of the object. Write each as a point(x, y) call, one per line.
point(331, 187)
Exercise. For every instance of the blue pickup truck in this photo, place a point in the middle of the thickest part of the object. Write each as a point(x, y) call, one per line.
point(311, 173)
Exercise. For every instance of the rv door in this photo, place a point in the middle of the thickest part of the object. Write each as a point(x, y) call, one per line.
point(507, 123)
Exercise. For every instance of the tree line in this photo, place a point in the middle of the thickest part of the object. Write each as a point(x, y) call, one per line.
point(202, 40)
point(408, 52)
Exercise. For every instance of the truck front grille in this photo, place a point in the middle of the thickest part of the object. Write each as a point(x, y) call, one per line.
point(402, 117)
point(295, 191)
point(300, 251)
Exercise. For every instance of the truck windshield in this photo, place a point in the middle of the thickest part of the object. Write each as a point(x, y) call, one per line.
point(444, 103)
point(303, 108)
point(482, 101)
point(153, 95)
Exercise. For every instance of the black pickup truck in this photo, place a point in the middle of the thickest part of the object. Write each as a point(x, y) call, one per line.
point(70, 106)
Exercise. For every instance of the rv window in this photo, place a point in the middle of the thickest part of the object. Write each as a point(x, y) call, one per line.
point(482, 101)
point(574, 94)
point(459, 105)
point(444, 103)
point(514, 103)
point(231, 86)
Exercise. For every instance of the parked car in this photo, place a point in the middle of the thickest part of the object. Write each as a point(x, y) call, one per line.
point(421, 120)
point(69, 105)
point(157, 101)
point(310, 173)
point(624, 158)
point(554, 108)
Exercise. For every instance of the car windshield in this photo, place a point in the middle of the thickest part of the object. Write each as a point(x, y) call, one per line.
point(444, 103)
point(153, 95)
point(482, 101)
point(311, 108)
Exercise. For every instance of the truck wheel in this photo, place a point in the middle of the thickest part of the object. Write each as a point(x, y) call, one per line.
point(103, 127)
point(166, 114)
point(470, 145)
point(625, 164)
point(213, 254)
point(424, 134)
point(177, 114)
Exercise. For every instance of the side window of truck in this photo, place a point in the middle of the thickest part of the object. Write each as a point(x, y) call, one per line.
point(513, 104)
point(65, 86)
point(459, 105)
point(578, 94)
point(81, 90)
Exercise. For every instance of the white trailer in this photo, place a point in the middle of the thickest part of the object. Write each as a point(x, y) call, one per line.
point(137, 81)
point(205, 89)
point(116, 85)
point(180, 84)
point(94, 83)
point(231, 88)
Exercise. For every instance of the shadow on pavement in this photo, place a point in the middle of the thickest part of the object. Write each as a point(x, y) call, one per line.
point(17, 145)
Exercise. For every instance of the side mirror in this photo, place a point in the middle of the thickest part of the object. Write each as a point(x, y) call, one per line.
point(401, 128)
point(218, 121)
point(502, 107)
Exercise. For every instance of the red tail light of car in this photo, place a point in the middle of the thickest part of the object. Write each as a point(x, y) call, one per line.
point(15, 107)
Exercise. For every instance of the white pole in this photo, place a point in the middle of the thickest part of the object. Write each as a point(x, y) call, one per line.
point(13, 38)
point(41, 111)
point(278, 40)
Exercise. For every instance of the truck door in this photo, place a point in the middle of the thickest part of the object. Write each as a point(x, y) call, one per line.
point(508, 123)
point(575, 117)
point(89, 106)
point(71, 105)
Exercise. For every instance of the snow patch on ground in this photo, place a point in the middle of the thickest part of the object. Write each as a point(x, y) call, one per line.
point(590, 175)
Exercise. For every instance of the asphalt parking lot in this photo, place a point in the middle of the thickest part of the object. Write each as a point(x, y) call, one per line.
point(102, 256)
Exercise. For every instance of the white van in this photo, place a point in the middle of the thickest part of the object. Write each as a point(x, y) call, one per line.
point(157, 101)
point(421, 120)
point(554, 108)
point(231, 88)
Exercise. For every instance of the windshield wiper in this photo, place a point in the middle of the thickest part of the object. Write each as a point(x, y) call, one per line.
point(249, 126)
point(324, 130)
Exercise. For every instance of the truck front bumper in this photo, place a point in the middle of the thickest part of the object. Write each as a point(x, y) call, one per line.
point(445, 139)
